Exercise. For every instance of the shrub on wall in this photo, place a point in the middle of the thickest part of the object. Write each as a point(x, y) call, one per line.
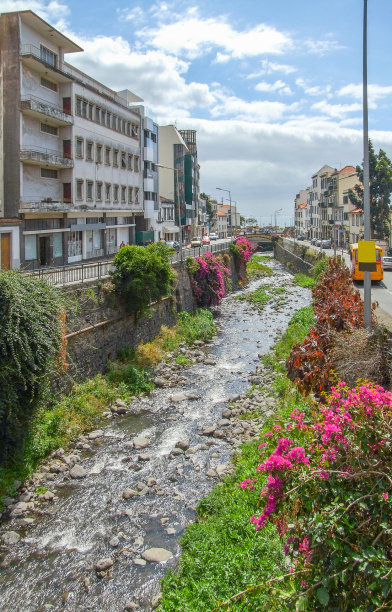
point(142, 275)
point(31, 346)
point(208, 276)
point(242, 252)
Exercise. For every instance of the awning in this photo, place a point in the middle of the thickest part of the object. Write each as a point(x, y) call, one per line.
point(171, 229)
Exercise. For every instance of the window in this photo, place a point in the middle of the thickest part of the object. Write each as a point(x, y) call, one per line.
point(48, 84)
point(30, 247)
point(115, 158)
point(79, 107)
point(345, 199)
point(57, 245)
point(48, 173)
point(48, 56)
point(98, 152)
point(97, 114)
point(90, 111)
point(99, 191)
point(79, 147)
point(115, 193)
point(79, 190)
point(136, 195)
point(108, 119)
point(108, 192)
point(107, 156)
point(130, 195)
point(49, 129)
point(154, 137)
point(123, 194)
point(89, 190)
point(89, 151)
point(135, 130)
point(136, 163)
point(128, 128)
point(84, 108)
point(123, 161)
point(130, 160)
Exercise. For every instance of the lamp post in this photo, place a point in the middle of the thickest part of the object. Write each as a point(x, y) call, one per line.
point(367, 283)
point(276, 213)
point(234, 202)
point(177, 194)
point(229, 192)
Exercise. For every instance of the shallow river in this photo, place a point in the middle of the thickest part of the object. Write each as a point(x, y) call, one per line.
point(52, 566)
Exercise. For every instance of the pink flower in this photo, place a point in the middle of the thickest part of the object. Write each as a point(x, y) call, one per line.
point(384, 495)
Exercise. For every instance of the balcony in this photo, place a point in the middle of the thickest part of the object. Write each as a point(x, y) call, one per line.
point(42, 109)
point(149, 154)
point(39, 156)
point(31, 57)
point(44, 205)
point(149, 184)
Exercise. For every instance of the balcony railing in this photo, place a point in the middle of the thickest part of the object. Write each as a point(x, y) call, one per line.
point(43, 107)
point(39, 155)
point(45, 204)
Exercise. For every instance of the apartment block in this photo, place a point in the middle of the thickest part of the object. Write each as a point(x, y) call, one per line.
point(72, 153)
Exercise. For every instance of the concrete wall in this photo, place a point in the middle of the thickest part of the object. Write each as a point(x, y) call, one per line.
point(294, 257)
point(100, 326)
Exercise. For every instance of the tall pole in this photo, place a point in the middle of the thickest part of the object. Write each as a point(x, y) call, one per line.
point(367, 285)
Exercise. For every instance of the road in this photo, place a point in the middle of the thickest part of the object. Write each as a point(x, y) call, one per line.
point(381, 293)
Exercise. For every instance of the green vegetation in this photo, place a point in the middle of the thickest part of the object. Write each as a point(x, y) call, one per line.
point(316, 272)
point(303, 280)
point(58, 421)
point(261, 296)
point(256, 268)
point(143, 275)
point(31, 332)
point(223, 554)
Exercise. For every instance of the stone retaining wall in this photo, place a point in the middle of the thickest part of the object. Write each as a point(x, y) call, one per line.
point(296, 258)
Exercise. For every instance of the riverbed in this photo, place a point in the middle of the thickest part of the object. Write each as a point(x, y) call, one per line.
point(90, 518)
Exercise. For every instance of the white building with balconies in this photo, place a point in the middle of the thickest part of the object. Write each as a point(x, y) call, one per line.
point(71, 152)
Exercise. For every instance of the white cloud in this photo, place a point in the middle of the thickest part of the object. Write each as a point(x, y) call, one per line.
point(268, 67)
point(338, 111)
point(222, 58)
point(52, 11)
point(231, 106)
point(193, 36)
point(278, 87)
point(314, 90)
point(137, 15)
point(321, 47)
point(375, 92)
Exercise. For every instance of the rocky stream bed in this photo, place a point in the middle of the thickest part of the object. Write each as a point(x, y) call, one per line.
point(96, 527)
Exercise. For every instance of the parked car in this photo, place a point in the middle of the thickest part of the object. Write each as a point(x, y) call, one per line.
point(326, 244)
point(300, 237)
point(205, 240)
point(213, 236)
point(196, 242)
point(387, 262)
point(313, 241)
point(173, 244)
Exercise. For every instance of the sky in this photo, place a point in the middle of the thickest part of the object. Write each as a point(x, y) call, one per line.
point(273, 87)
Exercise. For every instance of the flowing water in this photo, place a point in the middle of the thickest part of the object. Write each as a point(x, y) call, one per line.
point(52, 566)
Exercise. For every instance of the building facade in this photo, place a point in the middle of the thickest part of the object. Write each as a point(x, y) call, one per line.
point(71, 152)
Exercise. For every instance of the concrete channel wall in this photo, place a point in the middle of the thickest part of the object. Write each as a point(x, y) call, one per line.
point(296, 257)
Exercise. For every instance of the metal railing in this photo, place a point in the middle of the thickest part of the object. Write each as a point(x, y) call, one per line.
point(45, 107)
point(68, 275)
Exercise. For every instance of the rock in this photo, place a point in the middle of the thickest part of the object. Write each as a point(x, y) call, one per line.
point(144, 457)
point(139, 541)
point(10, 537)
point(8, 501)
point(222, 468)
point(211, 473)
point(25, 497)
point(156, 599)
point(208, 431)
point(140, 442)
point(55, 467)
point(192, 396)
point(159, 382)
point(103, 565)
point(114, 542)
point(19, 509)
point(77, 471)
point(209, 362)
point(118, 409)
point(26, 521)
point(157, 555)
point(224, 423)
point(164, 520)
point(170, 531)
point(151, 482)
point(182, 444)
point(226, 413)
point(178, 397)
point(131, 605)
point(93, 435)
point(140, 562)
point(48, 496)
point(128, 493)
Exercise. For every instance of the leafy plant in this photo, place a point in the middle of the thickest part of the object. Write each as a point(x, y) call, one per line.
point(142, 275)
point(242, 252)
point(31, 339)
point(207, 276)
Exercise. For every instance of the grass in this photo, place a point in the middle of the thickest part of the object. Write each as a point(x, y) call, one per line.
point(222, 552)
point(303, 280)
point(261, 296)
point(60, 420)
point(254, 266)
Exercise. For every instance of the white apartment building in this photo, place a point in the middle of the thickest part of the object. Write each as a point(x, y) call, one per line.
point(301, 217)
point(71, 152)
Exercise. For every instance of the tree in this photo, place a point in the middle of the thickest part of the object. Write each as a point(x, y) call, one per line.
point(209, 208)
point(251, 221)
point(380, 175)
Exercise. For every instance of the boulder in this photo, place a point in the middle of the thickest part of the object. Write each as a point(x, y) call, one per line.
point(104, 564)
point(129, 493)
point(10, 537)
point(140, 442)
point(78, 471)
point(157, 555)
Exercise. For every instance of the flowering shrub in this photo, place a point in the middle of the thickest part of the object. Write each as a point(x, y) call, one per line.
point(328, 490)
point(208, 276)
point(242, 251)
point(337, 308)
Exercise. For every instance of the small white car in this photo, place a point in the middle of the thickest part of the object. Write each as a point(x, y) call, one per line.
point(213, 236)
point(387, 262)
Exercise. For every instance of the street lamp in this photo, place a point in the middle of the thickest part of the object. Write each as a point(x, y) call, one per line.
point(229, 192)
point(177, 194)
point(235, 212)
point(276, 213)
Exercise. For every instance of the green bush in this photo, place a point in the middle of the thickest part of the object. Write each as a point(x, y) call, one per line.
point(136, 380)
point(142, 275)
point(196, 326)
point(31, 331)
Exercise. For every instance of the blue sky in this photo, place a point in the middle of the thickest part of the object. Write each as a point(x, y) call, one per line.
point(272, 87)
